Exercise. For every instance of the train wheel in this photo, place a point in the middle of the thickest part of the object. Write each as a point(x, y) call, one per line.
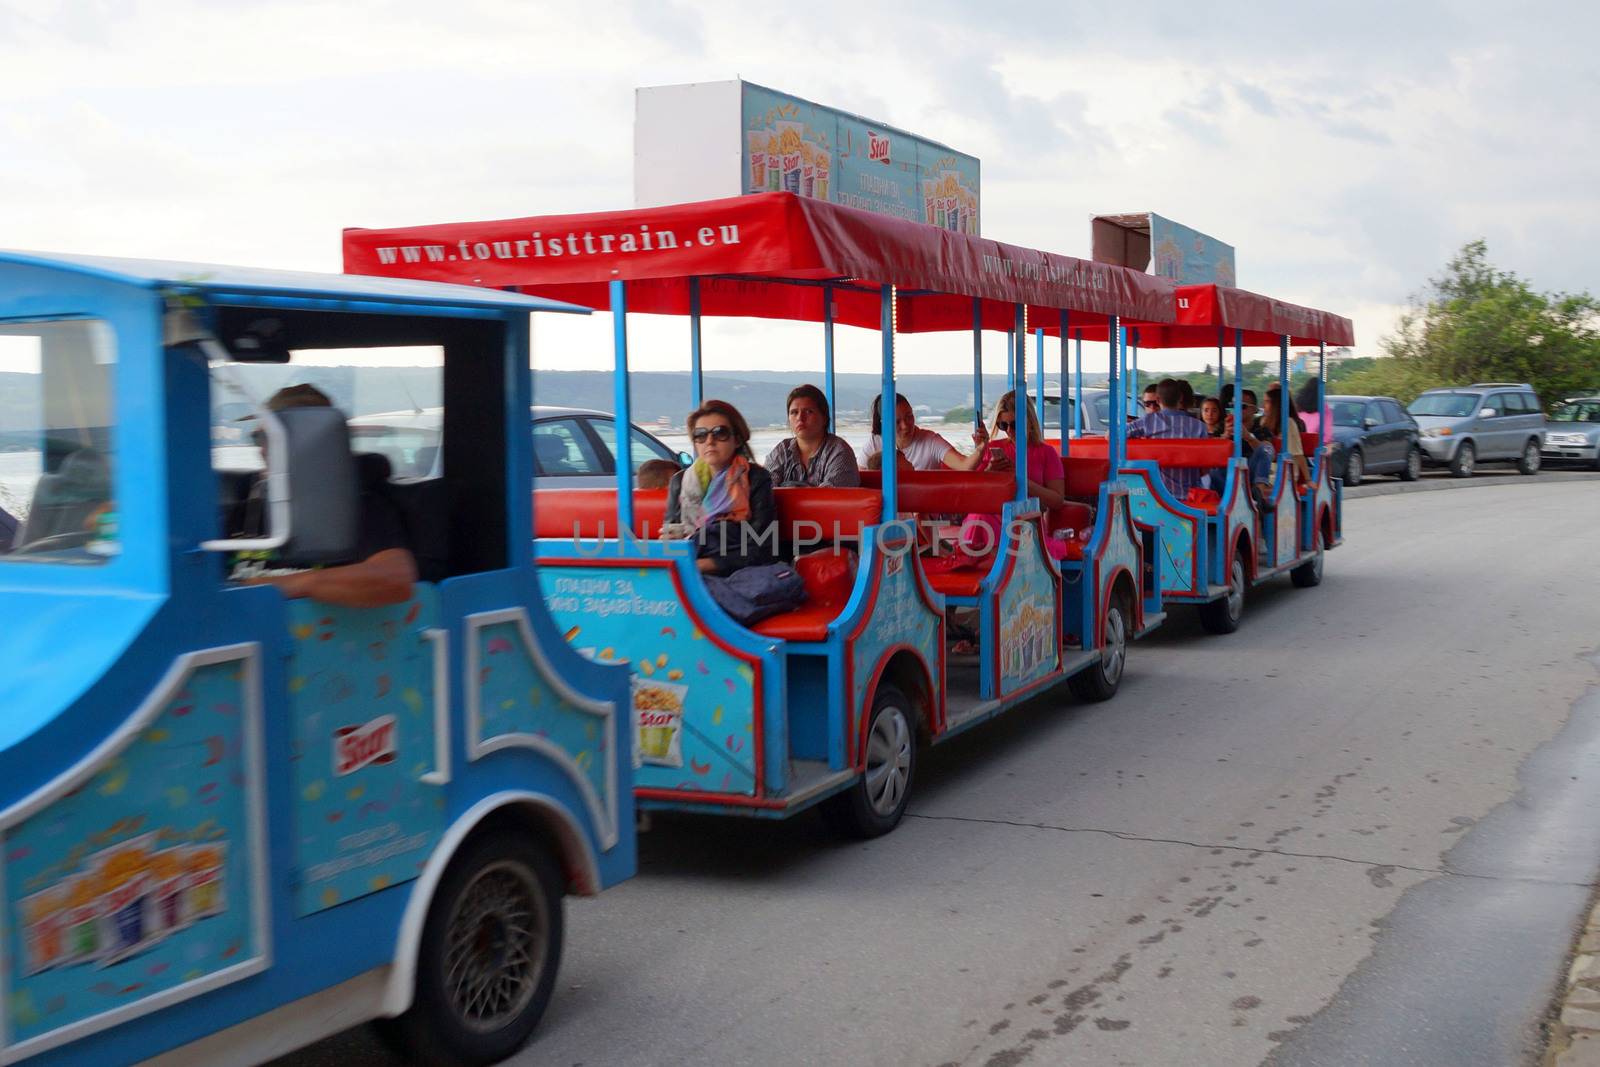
point(1223, 616)
point(1099, 681)
point(875, 804)
point(490, 948)
point(1309, 573)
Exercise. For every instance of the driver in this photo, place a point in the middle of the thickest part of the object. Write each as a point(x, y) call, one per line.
point(381, 569)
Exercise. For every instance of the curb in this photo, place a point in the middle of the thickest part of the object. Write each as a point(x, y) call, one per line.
point(1437, 484)
point(1574, 1034)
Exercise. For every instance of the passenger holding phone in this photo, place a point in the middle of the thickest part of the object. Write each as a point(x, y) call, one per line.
point(1047, 478)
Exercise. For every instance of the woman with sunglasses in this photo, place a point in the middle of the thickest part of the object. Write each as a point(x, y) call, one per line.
point(723, 500)
point(1047, 478)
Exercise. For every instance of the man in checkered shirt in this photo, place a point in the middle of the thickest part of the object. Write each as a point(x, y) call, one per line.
point(1170, 420)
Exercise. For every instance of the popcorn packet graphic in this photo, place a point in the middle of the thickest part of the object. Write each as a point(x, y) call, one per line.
point(658, 721)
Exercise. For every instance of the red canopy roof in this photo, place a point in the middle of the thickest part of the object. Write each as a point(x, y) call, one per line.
point(740, 246)
point(1202, 309)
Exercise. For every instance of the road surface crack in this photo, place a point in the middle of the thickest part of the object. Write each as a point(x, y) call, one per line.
point(1124, 835)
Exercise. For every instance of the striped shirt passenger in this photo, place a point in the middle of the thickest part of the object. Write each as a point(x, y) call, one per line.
point(1170, 421)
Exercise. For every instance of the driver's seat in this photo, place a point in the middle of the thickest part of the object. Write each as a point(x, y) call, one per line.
point(64, 500)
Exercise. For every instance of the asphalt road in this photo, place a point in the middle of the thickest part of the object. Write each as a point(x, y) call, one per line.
point(1360, 830)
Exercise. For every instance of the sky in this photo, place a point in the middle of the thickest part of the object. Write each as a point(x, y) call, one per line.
point(1346, 150)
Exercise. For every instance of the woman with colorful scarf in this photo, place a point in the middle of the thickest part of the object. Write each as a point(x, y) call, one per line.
point(723, 500)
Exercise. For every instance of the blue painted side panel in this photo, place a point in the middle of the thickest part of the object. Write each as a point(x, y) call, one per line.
point(1183, 530)
point(1030, 641)
point(361, 711)
point(145, 878)
point(901, 617)
point(694, 703)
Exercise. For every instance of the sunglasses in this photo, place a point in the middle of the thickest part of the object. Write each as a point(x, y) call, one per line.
point(1006, 425)
point(712, 433)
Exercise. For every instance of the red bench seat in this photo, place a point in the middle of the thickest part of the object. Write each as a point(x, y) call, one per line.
point(592, 513)
point(961, 582)
point(948, 492)
point(1202, 452)
point(808, 622)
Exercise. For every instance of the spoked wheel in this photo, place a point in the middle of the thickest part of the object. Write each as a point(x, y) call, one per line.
point(875, 804)
point(487, 963)
point(1100, 680)
point(1223, 616)
point(1354, 467)
point(1309, 573)
point(1466, 461)
point(1413, 468)
point(1529, 463)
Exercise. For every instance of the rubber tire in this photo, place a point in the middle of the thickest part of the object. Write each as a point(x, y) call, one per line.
point(1309, 574)
point(1464, 470)
point(850, 813)
point(1525, 465)
point(1413, 468)
point(1355, 467)
point(429, 1032)
point(1214, 615)
point(1091, 685)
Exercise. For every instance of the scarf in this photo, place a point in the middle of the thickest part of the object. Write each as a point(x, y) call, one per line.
point(705, 497)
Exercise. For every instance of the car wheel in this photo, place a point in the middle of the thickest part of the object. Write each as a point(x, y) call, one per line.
point(1529, 463)
point(1100, 680)
point(875, 804)
point(1465, 461)
point(490, 947)
point(1354, 468)
point(1413, 467)
point(1223, 616)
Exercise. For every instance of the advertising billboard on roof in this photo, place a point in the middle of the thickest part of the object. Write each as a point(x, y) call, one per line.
point(687, 139)
point(1147, 241)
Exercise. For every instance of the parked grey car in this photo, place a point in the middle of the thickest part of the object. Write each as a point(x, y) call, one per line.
point(1572, 433)
point(1486, 422)
point(1096, 411)
point(1373, 435)
point(573, 448)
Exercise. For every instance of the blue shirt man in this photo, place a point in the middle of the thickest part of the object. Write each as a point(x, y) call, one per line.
point(1171, 421)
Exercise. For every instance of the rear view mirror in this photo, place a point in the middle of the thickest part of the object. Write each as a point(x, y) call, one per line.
point(1487, 413)
point(1369, 422)
point(684, 459)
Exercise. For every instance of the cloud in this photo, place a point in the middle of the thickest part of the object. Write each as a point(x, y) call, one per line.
point(1346, 149)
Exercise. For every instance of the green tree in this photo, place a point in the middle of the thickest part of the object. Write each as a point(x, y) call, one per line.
point(1478, 323)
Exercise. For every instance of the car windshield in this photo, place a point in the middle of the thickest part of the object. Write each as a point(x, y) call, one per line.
point(1349, 412)
point(1102, 408)
point(1450, 405)
point(1576, 411)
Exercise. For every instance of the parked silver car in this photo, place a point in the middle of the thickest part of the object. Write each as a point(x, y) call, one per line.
point(1486, 422)
point(1572, 433)
point(1096, 411)
point(573, 448)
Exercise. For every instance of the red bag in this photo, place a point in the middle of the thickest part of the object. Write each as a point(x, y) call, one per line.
point(1204, 499)
point(828, 575)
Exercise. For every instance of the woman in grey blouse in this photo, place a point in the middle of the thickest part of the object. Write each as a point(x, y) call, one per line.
point(813, 456)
